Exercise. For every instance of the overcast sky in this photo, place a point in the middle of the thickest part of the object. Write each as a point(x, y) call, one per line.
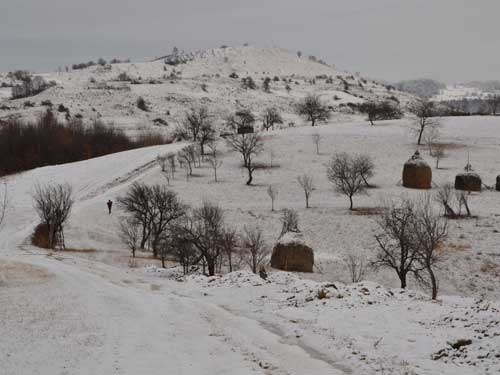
point(449, 40)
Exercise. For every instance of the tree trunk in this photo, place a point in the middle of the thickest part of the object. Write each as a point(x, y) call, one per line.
point(433, 283)
point(351, 206)
point(250, 177)
point(421, 132)
point(402, 278)
point(211, 267)
point(307, 201)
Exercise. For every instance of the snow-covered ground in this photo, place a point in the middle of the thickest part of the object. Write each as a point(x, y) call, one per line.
point(88, 313)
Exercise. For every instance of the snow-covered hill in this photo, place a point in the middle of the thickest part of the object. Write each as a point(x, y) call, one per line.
point(96, 93)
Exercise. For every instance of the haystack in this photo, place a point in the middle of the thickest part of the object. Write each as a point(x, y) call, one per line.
point(416, 173)
point(291, 254)
point(468, 182)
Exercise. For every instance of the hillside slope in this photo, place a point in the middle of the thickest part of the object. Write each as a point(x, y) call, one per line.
point(97, 93)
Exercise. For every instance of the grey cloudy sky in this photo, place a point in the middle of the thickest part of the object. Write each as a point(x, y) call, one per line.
point(450, 40)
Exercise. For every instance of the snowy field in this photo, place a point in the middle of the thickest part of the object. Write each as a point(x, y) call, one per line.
point(87, 312)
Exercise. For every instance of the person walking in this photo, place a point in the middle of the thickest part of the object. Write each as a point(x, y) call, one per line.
point(109, 204)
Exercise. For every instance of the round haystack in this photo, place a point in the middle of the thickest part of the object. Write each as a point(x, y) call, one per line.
point(416, 173)
point(468, 182)
point(291, 254)
point(498, 183)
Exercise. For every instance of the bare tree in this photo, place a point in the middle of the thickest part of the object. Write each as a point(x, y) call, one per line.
point(248, 145)
point(3, 203)
point(135, 203)
point(398, 240)
point(439, 153)
point(313, 110)
point(356, 266)
point(195, 119)
point(271, 116)
point(306, 182)
point(289, 221)
point(432, 137)
point(172, 164)
point(463, 201)
point(316, 138)
point(425, 112)
point(272, 191)
point(345, 172)
point(213, 159)
point(255, 247)
point(241, 119)
point(204, 228)
point(229, 247)
point(366, 168)
point(431, 230)
point(130, 233)
point(384, 110)
point(164, 209)
point(444, 197)
point(162, 162)
point(53, 204)
point(187, 157)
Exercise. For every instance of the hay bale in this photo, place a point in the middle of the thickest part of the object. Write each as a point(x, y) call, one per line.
point(498, 183)
point(416, 173)
point(291, 254)
point(468, 182)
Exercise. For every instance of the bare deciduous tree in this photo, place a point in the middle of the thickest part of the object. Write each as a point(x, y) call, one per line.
point(431, 230)
point(53, 204)
point(345, 172)
point(195, 119)
point(172, 164)
point(271, 116)
point(164, 209)
point(255, 247)
point(187, 157)
point(4, 200)
point(366, 168)
point(306, 182)
point(289, 221)
point(439, 153)
point(272, 191)
point(136, 202)
point(316, 138)
point(384, 110)
point(356, 266)
point(130, 233)
point(204, 228)
point(213, 160)
point(248, 145)
point(444, 197)
point(398, 241)
point(425, 112)
point(241, 119)
point(313, 110)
